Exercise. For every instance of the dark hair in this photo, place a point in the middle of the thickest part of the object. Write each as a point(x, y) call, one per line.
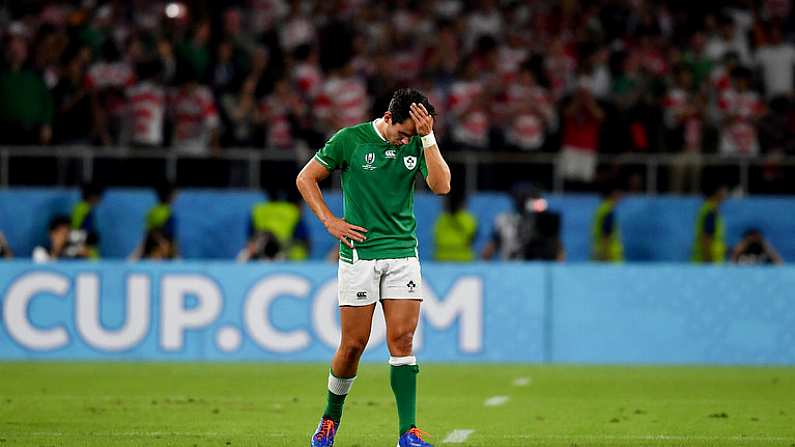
point(712, 186)
point(402, 100)
point(89, 190)
point(58, 221)
point(165, 192)
point(612, 185)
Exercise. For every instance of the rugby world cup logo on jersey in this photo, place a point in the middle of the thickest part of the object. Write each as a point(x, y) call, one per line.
point(410, 162)
point(369, 159)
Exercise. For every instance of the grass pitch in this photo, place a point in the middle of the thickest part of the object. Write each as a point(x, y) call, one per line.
point(135, 404)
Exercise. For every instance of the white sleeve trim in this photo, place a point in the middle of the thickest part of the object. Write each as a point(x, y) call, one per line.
point(323, 162)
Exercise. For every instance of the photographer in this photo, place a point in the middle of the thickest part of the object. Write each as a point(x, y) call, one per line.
point(531, 232)
point(63, 242)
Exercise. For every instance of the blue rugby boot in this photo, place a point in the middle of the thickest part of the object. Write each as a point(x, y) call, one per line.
point(413, 438)
point(324, 435)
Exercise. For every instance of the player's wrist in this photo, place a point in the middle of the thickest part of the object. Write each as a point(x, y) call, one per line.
point(428, 140)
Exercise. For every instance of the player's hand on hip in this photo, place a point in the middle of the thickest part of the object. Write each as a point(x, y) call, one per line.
point(423, 120)
point(344, 231)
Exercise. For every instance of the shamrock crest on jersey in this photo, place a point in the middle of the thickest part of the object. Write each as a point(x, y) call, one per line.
point(410, 162)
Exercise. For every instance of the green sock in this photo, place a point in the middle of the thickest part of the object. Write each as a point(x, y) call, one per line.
point(334, 405)
point(404, 385)
point(338, 389)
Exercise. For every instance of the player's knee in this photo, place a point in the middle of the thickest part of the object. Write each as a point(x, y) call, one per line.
point(352, 348)
point(401, 342)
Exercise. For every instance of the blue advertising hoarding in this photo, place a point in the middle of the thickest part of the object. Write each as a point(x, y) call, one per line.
point(583, 313)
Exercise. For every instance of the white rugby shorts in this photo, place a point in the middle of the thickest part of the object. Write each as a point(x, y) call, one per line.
point(367, 281)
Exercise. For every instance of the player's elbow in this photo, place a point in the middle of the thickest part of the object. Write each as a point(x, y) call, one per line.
point(442, 190)
point(302, 180)
point(440, 187)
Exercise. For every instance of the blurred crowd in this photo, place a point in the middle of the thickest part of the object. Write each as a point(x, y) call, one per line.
point(570, 77)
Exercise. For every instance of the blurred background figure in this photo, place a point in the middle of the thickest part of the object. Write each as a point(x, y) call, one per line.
point(157, 247)
point(147, 102)
point(607, 244)
point(62, 242)
point(530, 232)
point(5, 249)
point(740, 109)
point(26, 105)
point(454, 231)
point(685, 114)
point(709, 245)
point(582, 123)
point(195, 117)
point(161, 226)
point(754, 249)
point(277, 230)
point(83, 221)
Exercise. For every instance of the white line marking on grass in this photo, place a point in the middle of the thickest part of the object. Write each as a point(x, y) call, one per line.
point(522, 381)
point(546, 438)
point(126, 434)
point(458, 436)
point(496, 401)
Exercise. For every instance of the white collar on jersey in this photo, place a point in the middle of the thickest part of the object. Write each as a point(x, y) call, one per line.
point(377, 132)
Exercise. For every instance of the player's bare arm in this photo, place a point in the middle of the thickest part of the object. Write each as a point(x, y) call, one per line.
point(438, 178)
point(308, 184)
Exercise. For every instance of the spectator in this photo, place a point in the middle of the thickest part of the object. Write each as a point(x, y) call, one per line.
point(225, 71)
point(26, 106)
point(727, 39)
point(582, 121)
point(468, 109)
point(486, 20)
point(298, 28)
point(531, 112)
point(193, 55)
point(342, 101)
point(196, 123)
point(776, 60)
point(147, 99)
point(697, 61)
point(282, 111)
point(83, 221)
point(529, 232)
point(74, 122)
point(168, 60)
point(754, 249)
point(709, 245)
point(242, 114)
point(276, 231)
point(684, 119)
point(560, 68)
point(454, 232)
point(306, 71)
point(62, 243)
point(5, 249)
point(740, 109)
point(108, 78)
point(606, 234)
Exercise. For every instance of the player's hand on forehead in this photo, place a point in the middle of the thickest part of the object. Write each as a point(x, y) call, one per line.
point(423, 121)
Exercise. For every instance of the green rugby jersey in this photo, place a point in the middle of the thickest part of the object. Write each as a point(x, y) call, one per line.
point(377, 188)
